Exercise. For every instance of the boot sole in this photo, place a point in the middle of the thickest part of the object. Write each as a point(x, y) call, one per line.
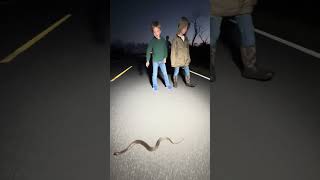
point(257, 79)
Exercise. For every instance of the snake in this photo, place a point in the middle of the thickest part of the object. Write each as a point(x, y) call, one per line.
point(144, 144)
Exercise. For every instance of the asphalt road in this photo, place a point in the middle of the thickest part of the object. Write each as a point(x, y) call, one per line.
point(53, 97)
point(139, 113)
point(53, 111)
point(266, 130)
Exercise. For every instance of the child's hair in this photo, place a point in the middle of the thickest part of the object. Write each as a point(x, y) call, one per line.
point(183, 23)
point(155, 24)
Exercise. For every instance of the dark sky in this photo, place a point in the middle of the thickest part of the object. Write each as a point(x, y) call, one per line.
point(131, 19)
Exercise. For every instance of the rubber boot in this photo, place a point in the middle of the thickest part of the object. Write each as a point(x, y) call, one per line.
point(175, 81)
point(188, 83)
point(250, 68)
point(212, 65)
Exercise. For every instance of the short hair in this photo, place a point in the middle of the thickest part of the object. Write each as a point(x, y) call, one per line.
point(184, 22)
point(155, 24)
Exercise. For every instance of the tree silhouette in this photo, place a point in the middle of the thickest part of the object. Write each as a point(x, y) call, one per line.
point(198, 29)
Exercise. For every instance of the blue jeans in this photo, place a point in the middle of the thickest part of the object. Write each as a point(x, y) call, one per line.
point(186, 71)
point(163, 69)
point(245, 26)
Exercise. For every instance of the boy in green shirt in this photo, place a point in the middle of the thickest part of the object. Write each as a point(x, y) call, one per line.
point(158, 48)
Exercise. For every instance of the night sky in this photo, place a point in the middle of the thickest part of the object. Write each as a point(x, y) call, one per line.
point(131, 19)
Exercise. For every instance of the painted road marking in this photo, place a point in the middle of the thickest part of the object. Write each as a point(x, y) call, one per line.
point(31, 42)
point(288, 43)
point(205, 77)
point(121, 74)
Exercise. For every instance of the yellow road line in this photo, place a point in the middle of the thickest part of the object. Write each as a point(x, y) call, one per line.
point(31, 42)
point(121, 74)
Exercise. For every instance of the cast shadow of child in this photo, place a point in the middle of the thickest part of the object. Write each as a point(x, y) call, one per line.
point(142, 69)
point(149, 72)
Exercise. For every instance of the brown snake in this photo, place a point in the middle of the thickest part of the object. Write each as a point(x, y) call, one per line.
point(144, 144)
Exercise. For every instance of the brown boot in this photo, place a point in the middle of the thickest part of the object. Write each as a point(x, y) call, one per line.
point(175, 81)
point(188, 83)
point(212, 64)
point(250, 69)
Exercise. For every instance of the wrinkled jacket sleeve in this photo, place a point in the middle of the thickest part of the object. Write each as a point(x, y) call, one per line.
point(174, 52)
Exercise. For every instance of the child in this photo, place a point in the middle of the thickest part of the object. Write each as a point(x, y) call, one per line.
point(158, 47)
point(180, 56)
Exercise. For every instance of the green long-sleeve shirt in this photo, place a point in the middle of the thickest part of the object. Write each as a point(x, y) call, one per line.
point(158, 48)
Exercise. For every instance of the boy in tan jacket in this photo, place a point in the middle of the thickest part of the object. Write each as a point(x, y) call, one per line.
point(180, 56)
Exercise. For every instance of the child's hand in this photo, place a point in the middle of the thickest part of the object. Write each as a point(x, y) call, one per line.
point(164, 61)
point(147, 64)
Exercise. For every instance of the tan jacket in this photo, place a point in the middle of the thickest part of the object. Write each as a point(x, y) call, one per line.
point(180, 55)
point(232, 7)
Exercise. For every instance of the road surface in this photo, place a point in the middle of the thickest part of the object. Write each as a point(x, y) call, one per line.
point(53, 98)
point(266, 130)
point(139, 113)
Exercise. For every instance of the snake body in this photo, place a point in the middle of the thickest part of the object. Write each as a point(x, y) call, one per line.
point(144, 144)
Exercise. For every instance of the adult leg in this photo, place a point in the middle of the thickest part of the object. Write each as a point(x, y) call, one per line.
point(248, 50)
point(215, 24)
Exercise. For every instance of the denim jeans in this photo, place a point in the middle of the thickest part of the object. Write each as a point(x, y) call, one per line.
point(246, 29)
point(245, 26)
point(186, 71)
point(163, 69)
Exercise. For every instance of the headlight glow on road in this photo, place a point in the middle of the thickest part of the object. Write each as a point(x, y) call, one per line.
point(138, 113)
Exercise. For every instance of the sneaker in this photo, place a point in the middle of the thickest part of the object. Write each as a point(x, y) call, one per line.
point(169, 87)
